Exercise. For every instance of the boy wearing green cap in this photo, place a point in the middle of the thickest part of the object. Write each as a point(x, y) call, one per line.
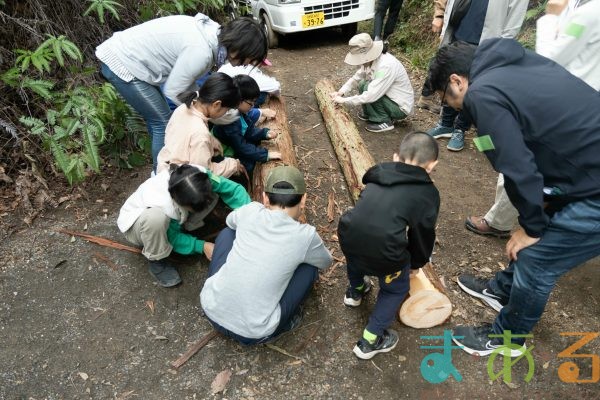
point(264, 263)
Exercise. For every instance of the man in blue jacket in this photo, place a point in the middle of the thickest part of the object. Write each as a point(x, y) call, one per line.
point(539, 126)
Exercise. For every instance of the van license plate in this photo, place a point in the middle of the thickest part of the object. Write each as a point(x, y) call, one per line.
point(313, 19)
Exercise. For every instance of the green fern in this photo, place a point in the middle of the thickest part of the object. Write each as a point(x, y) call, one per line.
point(91, 155)
point(40, 59)
point(60, 45)
point(38, 86)
point(102, 6)
point(11, 77)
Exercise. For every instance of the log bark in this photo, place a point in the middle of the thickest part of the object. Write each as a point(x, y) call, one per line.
point(351, 151)
point(428, 304)
point(282, 143)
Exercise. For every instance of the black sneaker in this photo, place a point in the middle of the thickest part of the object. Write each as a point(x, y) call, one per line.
point(362, 116)
point(475, 340)
point(384, 343)
point(479, 288)
point(164, 272)
point(384, 126)
point(354, 297)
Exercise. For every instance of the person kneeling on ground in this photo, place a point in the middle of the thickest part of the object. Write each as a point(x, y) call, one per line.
point(385, 92)
point(264, 264)
point(241, 139)
point(390, 232)
point(153, 215)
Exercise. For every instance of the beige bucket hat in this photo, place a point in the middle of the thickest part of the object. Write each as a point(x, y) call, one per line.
point(363, 49)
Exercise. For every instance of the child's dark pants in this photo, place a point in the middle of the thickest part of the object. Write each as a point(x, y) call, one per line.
point(393, 288)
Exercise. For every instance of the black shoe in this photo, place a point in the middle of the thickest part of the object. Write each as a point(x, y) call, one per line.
point(476, 340)
point(383, 127)
point(164, 272)
point(479, 288)
point(362, 116)
point(384, 343)
point(354, 297)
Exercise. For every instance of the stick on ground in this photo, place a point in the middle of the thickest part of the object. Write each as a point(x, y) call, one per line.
point(193, 349)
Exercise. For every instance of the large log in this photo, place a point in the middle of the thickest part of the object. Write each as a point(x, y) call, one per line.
point(351, 151)
point(282, 143)
point(428, 304)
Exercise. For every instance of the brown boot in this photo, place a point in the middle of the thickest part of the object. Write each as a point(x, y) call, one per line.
point(429, 103)
point(481, 227)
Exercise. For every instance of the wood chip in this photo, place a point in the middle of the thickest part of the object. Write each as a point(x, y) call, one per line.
point(220, 381)
point(331, 207)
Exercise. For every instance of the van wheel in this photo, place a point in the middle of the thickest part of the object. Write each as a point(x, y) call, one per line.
point(272, 36)
point(349, 30)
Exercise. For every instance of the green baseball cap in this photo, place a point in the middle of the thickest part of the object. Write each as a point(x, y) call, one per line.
point(289, 174)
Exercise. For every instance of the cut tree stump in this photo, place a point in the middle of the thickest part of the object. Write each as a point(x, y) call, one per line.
point(428, 304)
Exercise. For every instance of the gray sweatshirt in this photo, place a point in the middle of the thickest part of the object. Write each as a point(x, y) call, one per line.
point(244, 295)
point(174, 50)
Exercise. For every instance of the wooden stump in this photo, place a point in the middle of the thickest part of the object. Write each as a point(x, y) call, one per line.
point(427, 305)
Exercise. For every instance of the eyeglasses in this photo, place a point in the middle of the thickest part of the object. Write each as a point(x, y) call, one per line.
point(443, 99)
point(250, 103)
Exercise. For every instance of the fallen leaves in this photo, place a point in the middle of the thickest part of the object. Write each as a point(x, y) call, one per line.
point(150, 305)
point(331, 207)
point(220, 382)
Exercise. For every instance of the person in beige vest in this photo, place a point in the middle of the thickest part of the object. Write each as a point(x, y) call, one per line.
point(187, 138)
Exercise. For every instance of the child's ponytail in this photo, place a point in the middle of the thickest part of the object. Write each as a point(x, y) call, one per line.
point(218, 86)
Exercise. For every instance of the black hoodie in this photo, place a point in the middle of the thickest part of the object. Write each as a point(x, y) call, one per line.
point(540, 126)
point(393, 222)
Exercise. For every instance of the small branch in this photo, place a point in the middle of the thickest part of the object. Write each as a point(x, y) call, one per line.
point(193, 349)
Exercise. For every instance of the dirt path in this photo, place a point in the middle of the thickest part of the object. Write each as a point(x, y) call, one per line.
point(75, 326)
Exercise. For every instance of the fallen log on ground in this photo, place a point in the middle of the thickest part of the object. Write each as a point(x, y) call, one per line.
point(282, 143)
point(428, 304)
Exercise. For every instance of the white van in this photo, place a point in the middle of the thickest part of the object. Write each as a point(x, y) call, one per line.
point(289, 16)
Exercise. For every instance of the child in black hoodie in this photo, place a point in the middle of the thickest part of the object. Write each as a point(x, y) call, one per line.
point(390, 231)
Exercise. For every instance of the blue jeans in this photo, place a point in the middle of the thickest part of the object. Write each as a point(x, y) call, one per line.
point(381, 8)
point(572, 238)
point(393, 288)
point(455, 119)
point(294, 295)
point(148, 101)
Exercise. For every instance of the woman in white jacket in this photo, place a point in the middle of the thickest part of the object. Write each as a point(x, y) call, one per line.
point(385, 92)
point(174, 51)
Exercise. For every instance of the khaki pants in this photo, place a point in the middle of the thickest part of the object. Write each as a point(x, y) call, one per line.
point(503, 215)
point(150, 232)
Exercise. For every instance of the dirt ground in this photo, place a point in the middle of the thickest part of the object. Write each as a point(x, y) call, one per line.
point(82, 321)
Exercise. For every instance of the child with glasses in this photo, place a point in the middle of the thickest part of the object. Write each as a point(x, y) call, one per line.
point(241, 139)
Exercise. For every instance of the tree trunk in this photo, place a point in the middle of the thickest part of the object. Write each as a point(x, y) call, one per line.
point(282, 143)
point(427, 305)
point(351, 151)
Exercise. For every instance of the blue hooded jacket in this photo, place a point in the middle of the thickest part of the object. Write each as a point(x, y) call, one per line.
point(538, 125)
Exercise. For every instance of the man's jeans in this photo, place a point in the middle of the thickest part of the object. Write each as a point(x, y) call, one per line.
point(296, 292)
point(572, 238)
point(148, 101)
point(455, 119)
point(381, 8)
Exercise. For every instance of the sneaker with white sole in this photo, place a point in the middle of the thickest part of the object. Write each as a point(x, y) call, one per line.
point(440, 131)
point(476, 340)
point(353, 297)
point(384, 126)
point(384, 343)
point(478, 287)
point(457, 141)
point(362, 116)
